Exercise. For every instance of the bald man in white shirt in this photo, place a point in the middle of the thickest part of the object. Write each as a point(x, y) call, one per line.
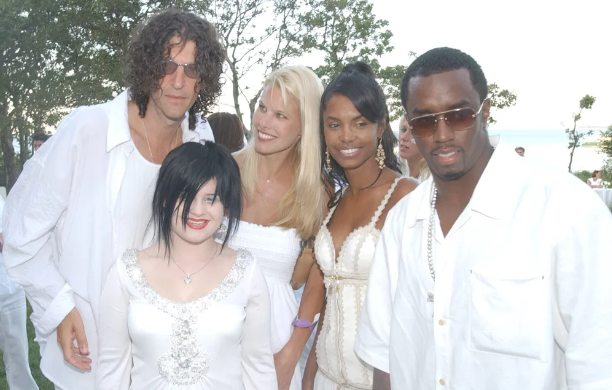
point(486, 276)
point(85, 197)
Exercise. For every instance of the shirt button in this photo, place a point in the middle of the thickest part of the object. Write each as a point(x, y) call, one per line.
point(442, 382)
point(441, 323)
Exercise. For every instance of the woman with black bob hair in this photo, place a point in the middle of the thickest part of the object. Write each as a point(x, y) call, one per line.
point(187, 311)
point(358, 148)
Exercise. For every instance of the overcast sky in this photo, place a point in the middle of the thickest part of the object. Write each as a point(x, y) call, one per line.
point(550, 53)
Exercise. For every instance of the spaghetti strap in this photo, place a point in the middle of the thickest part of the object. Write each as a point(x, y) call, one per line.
point(384, 202)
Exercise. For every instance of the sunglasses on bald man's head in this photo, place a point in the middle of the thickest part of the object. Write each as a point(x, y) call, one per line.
point(458, 119)
point(170, 67)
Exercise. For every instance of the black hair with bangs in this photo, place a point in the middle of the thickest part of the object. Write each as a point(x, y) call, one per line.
point(184, 171)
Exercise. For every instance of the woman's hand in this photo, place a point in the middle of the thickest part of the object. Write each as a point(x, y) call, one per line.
point(285, 362)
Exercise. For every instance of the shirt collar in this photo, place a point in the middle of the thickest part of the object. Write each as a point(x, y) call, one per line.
point(495, 194)
point(119, 129)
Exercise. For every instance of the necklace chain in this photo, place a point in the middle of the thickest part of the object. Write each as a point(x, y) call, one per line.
point(149, 145)
point(188, 275)
point(430, 228)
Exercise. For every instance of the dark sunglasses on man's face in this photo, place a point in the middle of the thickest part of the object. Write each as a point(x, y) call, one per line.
point(458, 119)
point(170, 67)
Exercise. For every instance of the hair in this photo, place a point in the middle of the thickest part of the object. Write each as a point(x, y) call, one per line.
point(356, 81)
point(519, 148)
point(302, 207)
point(594, 174)
point(440, 60)
point(228, 130)
point(150, 46)
point(40, 137)
point(184, 171)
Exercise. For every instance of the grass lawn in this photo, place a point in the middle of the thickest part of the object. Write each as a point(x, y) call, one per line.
point(34, 354)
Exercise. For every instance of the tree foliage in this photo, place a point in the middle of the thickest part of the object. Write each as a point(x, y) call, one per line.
point(606, 146)
point(576, 136)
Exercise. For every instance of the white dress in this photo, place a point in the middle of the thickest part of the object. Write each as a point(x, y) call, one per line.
point(346, 281)
point(277, 250)
point(218, 341)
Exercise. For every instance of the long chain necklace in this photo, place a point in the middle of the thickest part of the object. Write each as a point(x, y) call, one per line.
point(430, 228)
point(147, 138)
point(188, 275)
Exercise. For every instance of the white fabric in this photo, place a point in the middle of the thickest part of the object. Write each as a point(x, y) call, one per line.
point(13, 335)
point(135, 211)
point(60, 226)
point(346, 279)
point(136, 331)
point(522, 297)
point(276, 250)
point(594, 182)
point(605, 194)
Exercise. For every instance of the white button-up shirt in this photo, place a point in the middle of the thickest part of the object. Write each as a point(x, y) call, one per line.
point(523, 290)
point(60, 225)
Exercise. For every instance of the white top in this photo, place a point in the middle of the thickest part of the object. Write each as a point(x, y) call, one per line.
point(7, 287)
point(346, 280)
point(61, 226)
point(218, 341)
point(522, 297)
point(136, 212)
point(594, 182)
point(276, 250)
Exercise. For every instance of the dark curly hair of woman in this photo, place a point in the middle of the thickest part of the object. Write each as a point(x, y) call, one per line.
point(150, 46)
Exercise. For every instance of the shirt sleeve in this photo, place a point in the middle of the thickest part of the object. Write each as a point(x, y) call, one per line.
point(114, 344)
point(258, 372)
point(583, 295)
point(33, 208)
point(373, 332)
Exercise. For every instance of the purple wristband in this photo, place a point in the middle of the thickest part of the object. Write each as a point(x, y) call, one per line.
point(302, 323)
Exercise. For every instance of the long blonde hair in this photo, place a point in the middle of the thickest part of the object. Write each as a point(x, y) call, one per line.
point(302, 207)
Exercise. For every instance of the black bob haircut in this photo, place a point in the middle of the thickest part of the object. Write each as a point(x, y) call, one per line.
point(184, 171)
point(357, 82)
point(440, 60)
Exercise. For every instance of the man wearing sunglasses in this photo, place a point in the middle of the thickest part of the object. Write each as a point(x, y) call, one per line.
point(85, 198)
point(485, 276)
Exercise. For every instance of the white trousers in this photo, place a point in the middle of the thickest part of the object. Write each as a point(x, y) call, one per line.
point(14, 341)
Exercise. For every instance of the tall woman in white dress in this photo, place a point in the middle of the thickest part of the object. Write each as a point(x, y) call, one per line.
point(359, 147)
point(284, 202)
point(188, 313)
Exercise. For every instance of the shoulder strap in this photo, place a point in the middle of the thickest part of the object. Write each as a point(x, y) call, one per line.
point(384, 202)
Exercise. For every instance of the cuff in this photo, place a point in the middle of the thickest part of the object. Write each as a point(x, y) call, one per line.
point(59, 308)
point(369, 357)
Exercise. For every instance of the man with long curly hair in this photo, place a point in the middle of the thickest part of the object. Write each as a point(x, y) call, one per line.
point(85, 198)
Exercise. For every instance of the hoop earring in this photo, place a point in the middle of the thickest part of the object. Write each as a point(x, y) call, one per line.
point(328, 160)
point(380, 154)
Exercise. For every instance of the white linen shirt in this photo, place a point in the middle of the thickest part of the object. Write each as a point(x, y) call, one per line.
point(523, 292)
point(60, 226)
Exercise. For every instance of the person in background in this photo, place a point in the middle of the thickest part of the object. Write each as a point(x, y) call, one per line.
point(13, 335)
point(38, 139)
point(84, 198)
point(520, 151)
point(228, 130)
point(595, 180)
point(417, 166)
point(493, 274)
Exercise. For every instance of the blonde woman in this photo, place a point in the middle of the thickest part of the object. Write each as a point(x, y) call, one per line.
point(417, 166)
point(284, 202)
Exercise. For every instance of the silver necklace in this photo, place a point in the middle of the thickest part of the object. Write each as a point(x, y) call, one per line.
point(147, 138)
point(432, 213)
point(188, 275)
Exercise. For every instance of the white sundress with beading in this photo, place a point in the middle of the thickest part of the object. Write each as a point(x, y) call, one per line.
point(346, 281)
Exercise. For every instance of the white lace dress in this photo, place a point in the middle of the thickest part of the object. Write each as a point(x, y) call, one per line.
point(276, 250)
point(346, 281)
point(218, 341)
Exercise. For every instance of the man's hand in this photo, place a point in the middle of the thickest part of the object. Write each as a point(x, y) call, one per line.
point(382, 381)
point(285, 362)
point(69, 329)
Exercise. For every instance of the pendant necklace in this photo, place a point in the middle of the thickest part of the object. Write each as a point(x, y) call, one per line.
point(188, 275)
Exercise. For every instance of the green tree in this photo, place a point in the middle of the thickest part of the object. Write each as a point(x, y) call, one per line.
point(500, 99)
point(576, 136)
point(606, 145)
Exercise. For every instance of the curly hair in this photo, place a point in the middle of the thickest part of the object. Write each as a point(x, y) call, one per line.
point(150, 46)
